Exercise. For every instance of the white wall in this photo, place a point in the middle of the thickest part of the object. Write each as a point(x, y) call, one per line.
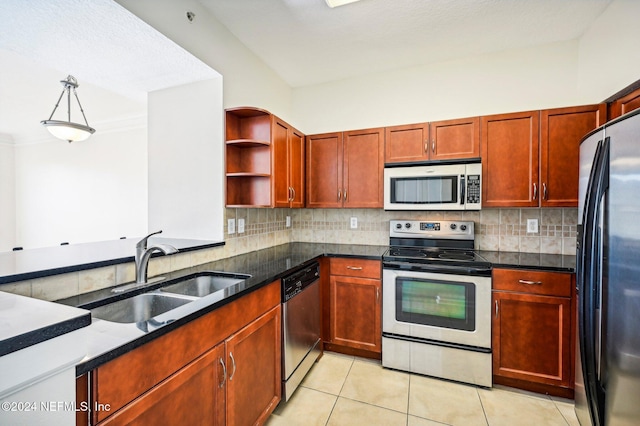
point(248, 81)
point(518, 80)
point(186, 161)
point(609, 58)
point(79, 192)
point(7, 196)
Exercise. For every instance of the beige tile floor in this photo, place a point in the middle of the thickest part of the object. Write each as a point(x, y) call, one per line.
point(343, 390)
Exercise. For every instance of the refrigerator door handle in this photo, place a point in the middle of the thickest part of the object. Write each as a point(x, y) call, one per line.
point(589, 270)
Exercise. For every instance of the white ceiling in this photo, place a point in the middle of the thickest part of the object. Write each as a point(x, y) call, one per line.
point(100, 43)
point(306, 42)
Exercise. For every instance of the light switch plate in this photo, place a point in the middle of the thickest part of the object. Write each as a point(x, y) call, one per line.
point(240, 226)
point(354, 223)
point(532, 226)
point(231, 226)
point(288, 222)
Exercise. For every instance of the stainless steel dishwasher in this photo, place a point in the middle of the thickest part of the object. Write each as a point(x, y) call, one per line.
point(300, 326)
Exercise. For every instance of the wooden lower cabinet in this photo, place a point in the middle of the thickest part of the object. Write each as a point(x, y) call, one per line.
point(220, 369)
point(532, 336)
point(355, 305)
point(253, 368)
point(194, 396)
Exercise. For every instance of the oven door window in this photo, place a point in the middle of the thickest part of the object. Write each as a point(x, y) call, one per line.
point(424, 190)
point(436, 303)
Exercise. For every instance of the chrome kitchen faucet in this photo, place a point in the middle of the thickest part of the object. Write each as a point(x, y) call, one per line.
point(143, 254)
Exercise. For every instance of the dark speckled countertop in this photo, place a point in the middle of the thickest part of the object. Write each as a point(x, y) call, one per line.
point(107, 340)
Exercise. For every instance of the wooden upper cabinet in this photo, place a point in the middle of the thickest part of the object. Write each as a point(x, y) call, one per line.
point(452, 139)
point(625, 104)
point(561, 131)
point(363, 167)
point(288, 165)
point(509, 147)
point(407, 143)
point(439, 140)
point(345, 169)
point(264, 160)
point(324, 170)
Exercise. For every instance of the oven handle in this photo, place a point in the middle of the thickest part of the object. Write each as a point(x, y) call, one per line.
point(461, 270)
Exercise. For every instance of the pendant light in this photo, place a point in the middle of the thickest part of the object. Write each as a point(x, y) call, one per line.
point(67, 130)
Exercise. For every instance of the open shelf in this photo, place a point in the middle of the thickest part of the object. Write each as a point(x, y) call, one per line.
point(248, 157)
point(249, 191)
point(247, 143)
point(244, 174)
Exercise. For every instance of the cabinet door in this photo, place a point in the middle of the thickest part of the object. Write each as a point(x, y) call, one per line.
point(363, 168)
point(509, 147)
point(531, 338)
point(407, 143)
point(324, 170)
point(280, 166)
point(296, 167)
point(253, 364)
point(355, 312)
point(625, 104)
point(192, 396)
point(561, 131)
point(452, 139)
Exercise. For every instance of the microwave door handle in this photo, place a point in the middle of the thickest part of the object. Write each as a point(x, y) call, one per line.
point(462, 187)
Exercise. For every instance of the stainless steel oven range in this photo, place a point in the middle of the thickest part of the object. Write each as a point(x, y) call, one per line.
point(436, 291)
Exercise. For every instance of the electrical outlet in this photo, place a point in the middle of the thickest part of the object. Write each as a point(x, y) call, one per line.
point(288, 221)
point(231, 226)
point(240, 226)
point(354, 223)
point(532, 226)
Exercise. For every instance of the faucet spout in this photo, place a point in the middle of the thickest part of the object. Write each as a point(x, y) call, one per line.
point(143, 254)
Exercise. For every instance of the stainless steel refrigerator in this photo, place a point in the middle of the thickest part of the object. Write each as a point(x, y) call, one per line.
point(608, 276)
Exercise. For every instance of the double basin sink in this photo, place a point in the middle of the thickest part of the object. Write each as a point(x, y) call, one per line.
point(141, 309)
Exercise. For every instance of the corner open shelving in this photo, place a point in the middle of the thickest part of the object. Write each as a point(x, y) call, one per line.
point(248, 157)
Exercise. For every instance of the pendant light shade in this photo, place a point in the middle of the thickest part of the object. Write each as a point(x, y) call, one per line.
point(67, 130)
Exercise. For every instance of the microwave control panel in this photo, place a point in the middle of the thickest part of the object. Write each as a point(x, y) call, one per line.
point(473, 189)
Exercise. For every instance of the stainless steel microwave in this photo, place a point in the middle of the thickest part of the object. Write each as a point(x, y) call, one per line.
point(433, 186)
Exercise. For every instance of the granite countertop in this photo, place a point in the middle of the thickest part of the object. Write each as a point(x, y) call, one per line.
point(25, 321)
point(107, 340)
point(539, 261)
point(41, 262)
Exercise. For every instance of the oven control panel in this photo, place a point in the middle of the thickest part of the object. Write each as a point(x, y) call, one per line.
point(432, 229)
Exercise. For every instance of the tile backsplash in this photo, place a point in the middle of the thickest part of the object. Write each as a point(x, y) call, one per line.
point(496, 230)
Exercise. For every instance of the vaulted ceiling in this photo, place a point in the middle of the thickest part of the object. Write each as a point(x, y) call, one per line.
point(306, 42)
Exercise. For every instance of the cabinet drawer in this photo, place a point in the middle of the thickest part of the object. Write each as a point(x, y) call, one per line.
point(533, 282)
point(354, 267)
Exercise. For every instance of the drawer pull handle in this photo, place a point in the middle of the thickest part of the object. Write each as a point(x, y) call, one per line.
point(355, 268)
point(224, 372)
point(527, 282)
point(233, 373)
